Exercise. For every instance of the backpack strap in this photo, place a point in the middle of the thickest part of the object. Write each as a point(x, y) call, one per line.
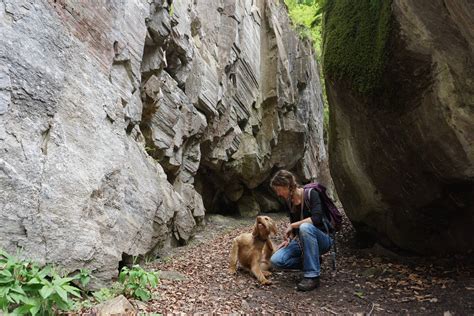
point(306, 199)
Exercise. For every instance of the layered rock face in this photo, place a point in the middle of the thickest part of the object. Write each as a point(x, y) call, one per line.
point(116, 116)
point(257, 86)
point(402, 155)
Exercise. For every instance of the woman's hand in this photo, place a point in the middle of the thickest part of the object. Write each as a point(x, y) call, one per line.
point(289, 232)
point(288, 236)
point(283, 244)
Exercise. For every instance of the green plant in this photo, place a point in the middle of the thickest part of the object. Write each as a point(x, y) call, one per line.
point(137, 281)
point(150, 150)
point(83, 277)
point(25, 288)
point(86, 303)
point(104, 294)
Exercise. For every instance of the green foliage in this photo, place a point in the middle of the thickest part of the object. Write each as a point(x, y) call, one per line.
point(28, 289)
point(133, 283)
point(137, 282)
point(84, 277)
point(108, 293)
point(103, 295)
point(150, 150)
point(306, 15)
point(25, 288)
point(355, 42)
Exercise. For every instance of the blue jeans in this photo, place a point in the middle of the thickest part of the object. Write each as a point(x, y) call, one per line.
point(314, 243)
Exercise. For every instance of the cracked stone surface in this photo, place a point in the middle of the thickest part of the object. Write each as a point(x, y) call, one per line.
point(121, 125)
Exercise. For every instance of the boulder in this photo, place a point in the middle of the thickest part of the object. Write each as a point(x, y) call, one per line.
point(248, 206)
point(116, 306)
point(401, 139)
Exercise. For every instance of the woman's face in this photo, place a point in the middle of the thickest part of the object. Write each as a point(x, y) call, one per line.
point(282, 191)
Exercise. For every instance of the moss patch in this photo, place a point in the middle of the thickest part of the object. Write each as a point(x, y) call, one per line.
point(355, 42)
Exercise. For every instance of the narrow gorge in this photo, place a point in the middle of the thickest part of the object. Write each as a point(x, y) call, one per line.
point(124, 123)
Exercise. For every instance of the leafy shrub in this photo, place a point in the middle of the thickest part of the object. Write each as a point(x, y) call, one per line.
point(137, 282)
point(25, 288)
point(105, 294)
point(83, 277)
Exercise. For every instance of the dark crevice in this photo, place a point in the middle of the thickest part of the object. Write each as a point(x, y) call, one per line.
point(45, 139)
point(210, 185)
point(242, 123)
point(127, 261)
point(129, 128)
point(110, 119)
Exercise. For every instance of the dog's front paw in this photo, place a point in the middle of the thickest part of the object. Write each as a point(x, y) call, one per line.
point(232, 270)
point(266, 273)
point(265, 282)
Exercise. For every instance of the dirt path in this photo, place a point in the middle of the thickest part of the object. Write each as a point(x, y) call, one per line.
point(370, 281)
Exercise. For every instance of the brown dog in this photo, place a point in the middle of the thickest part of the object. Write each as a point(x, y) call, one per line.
point(253, 250)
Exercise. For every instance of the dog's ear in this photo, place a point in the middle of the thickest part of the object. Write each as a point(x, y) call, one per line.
point(255, 231)
point(273, 228)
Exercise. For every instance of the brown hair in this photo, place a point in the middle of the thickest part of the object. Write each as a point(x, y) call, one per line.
point(284, 178)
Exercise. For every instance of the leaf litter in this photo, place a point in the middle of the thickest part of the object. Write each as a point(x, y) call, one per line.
point(195, 280)
point(365, 280)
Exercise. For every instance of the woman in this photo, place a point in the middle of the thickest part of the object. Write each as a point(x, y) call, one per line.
point(305, 237)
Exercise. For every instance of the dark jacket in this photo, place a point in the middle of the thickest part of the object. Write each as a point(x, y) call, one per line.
point(316, 210)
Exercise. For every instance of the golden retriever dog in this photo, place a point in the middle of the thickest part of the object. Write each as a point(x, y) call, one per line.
point(253, 250)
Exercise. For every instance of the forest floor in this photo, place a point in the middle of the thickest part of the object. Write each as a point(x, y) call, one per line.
point(374, 281)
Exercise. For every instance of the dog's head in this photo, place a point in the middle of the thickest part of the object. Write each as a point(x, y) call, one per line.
point(264, 226)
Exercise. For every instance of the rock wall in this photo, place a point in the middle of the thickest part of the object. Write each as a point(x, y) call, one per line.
point(121, 122)
point(255, 84)
point(401, 138)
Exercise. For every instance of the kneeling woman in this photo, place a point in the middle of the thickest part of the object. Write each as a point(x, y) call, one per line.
point(305, 237)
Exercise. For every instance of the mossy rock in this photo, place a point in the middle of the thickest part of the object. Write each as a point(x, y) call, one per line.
point(356, 34)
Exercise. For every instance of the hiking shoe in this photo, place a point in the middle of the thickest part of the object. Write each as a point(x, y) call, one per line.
point(308, 284)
